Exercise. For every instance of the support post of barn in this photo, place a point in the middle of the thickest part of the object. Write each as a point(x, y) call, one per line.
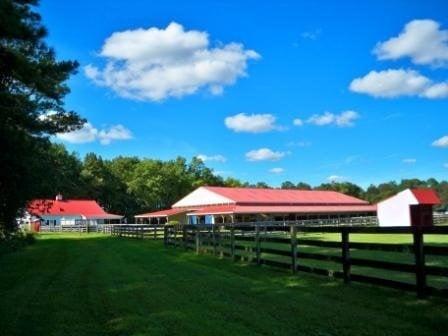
point(293, 233)
point(346, 264)
point(232, 242)
point(197, 239)
point(419, 253)
point(257, 244)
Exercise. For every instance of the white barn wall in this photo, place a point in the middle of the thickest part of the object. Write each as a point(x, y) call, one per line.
point(395, 211)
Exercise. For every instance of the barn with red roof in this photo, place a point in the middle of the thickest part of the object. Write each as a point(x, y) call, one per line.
point(59, 211)
point(210, 205)
point(411, 207)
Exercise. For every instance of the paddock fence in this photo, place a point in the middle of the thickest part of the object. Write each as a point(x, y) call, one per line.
point(412, 265)
point(143, 231)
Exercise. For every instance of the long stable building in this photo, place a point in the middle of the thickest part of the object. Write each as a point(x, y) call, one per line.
point(213, 205)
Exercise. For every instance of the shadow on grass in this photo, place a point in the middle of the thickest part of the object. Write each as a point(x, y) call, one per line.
point(83, 284)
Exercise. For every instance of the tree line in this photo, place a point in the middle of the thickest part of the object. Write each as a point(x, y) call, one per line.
point(131, 185)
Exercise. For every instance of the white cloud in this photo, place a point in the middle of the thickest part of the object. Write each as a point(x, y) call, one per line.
point(297, 122)
point(88, 133)
point(311, 35)
point(398, 82)
point(409, 161)
point(441, 142)
point(154, 64)
point(344, 119)
point(276, 170)
point(299, 143)
point(336, 178)
point(264, 154)
point(254, 123)
point(217, 157)
point(117, 132)
point(421, 40)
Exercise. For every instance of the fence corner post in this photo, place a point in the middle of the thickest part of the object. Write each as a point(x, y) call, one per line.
point(293, 233)
point(257, 244)
point(346, 264)
point(420, 271)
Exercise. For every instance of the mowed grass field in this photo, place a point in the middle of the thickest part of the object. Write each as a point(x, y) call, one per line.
point(91, 284)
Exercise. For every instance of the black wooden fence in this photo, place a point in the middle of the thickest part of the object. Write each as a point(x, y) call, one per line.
point(138, 231)
point(287, 246)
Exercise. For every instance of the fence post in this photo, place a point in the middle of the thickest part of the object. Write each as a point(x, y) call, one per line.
point(257, 244)
point(346, 265)
point(293, 232)
point(184, 236)
point(419, 253)
point(165, 235)
point(232, 242)
point(214, 239)
point(197, 239)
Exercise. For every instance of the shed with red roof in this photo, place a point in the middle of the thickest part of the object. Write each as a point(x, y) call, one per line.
point(411, 207)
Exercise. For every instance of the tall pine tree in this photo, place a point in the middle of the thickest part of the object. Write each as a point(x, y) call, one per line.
point(32, 88)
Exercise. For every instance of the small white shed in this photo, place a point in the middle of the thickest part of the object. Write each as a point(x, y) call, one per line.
point(411, 207)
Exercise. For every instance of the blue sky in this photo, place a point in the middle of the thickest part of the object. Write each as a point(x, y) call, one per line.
point(366, 83)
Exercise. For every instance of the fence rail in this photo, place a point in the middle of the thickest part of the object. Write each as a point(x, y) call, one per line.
point(289, 247)
point(138, 231)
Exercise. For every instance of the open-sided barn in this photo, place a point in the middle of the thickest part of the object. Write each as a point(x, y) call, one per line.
point(212, 205)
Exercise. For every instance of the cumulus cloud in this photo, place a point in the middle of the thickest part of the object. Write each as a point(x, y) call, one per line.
point(276, 170)
point(441, 142)
point(253, 123)
point(89, 133)
point(344, 119)
point(336, 178)
point(216, 158)
point(398, 82)
point(409, 161)
point(154, 64)
point(421, 40)
point(264, 154)
point(297, 122)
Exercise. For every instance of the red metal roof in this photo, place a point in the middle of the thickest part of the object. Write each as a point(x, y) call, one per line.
point(86, 208)
point(241, 209)
point(426, 196)
point(163, 213)
point(284, 196)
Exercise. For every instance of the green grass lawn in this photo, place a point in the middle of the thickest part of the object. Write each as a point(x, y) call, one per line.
point(79, 284)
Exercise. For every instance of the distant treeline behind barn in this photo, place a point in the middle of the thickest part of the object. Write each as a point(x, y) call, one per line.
point(130, 185)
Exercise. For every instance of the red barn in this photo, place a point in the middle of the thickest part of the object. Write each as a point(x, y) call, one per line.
point(411, 207)
point(212, 205)
point(69, 212)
